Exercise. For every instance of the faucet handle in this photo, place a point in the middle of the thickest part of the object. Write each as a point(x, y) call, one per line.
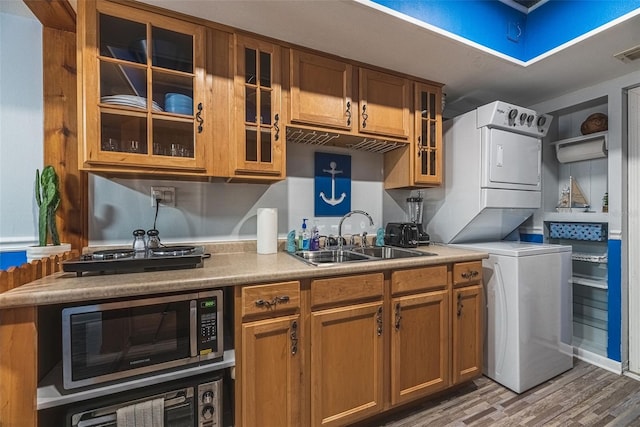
point(363, 241)
point(352, 240)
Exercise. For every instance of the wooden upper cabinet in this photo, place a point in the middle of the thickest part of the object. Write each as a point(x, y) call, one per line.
point(259, 119)
point(428, 134)
point(321, 91)
point(141, 91)
point(385, 103)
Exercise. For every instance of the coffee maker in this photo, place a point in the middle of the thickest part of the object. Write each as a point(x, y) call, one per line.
point(414, 206)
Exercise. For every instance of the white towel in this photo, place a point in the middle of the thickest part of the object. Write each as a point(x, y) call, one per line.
point(145, 414)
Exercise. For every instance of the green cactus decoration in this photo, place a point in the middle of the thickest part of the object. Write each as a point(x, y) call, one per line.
point(48, 199)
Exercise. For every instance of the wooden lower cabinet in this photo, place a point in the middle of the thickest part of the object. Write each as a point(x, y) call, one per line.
point(346, 363)
point(270, 383)
point(467, 333)
point(419, 345)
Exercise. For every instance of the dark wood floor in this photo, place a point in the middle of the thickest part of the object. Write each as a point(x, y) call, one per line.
point(584, 396)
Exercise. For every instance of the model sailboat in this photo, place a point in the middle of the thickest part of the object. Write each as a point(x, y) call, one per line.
point(572, 197)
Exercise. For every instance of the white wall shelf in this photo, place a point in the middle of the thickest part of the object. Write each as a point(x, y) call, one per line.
point(576, 216)
point(592, 282)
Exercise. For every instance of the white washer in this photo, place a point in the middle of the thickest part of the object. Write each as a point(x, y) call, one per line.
point(529, 312)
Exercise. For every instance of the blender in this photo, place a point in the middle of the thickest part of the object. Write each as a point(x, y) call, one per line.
point(414, 205)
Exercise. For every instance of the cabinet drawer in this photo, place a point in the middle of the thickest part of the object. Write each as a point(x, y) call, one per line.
point(465, 273)
point(347, 289)
point(274, 298)
point(418, 279)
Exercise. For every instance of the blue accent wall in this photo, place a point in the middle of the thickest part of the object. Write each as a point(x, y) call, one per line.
point(12, 259)
point(497, 26)
point(532, 238)
point(614, 320)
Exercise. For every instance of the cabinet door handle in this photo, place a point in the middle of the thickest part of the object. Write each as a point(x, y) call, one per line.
point(419, 146)
point(460, 306)
point(294, 337)
point(275, 125)
point(379, 321)
point(275, 301)
point(365, 116)
point(398, 317)
point(199, 118)
point(348, 113)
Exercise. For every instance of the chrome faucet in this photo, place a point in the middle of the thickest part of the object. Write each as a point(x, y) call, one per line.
point(347, 215)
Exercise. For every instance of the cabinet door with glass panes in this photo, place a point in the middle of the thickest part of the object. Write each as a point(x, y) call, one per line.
point(428, 134)
point(259, 120)
point(143, 95)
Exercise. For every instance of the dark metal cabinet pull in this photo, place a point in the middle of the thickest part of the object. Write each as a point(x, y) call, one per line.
point(199, 118)
point(365, 116)
point(348, 113)
point(460, 306)
point(420, 146)
point(398, 317)
point(275, 301)
point(275, 125)
point(469, 274)
point(379, 320)
point(294, 337)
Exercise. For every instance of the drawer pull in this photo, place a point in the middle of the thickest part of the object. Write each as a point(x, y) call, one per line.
point(469, 274)
point(275, 301)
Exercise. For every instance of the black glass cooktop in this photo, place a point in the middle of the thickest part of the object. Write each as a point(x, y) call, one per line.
point(126, 260)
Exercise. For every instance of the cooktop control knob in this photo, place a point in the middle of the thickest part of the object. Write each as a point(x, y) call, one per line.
point(207, 412)
point(541, 121)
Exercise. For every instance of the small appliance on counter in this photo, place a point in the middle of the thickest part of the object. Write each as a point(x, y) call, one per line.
point(130, 260)
point(414, 205)
point(402, 234)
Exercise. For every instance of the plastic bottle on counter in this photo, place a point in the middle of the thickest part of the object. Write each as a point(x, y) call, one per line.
point(314, 244)
point(304, 237)
point(380, 237)
point(291, 241)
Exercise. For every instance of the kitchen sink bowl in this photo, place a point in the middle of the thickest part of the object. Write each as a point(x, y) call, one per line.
point(390, 252)
point(330, 257)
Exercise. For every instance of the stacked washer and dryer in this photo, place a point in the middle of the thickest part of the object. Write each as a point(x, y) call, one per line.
point(492, 185)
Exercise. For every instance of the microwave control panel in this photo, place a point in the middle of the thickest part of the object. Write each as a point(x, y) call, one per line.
point(210, 324)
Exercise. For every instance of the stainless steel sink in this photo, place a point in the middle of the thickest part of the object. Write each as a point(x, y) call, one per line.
point(390, 252)
point(330, 257)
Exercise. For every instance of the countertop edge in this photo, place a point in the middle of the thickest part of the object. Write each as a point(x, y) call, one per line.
point(222, 270)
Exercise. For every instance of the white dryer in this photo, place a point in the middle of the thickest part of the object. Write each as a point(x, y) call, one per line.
point(529, 312)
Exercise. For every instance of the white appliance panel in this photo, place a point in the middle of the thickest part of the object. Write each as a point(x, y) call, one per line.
point(511, 160)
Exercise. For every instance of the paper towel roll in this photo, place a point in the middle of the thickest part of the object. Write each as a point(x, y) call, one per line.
point(267, 230)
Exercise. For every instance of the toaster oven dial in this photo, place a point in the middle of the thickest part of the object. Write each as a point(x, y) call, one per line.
point(207, 412)
point(207, 397)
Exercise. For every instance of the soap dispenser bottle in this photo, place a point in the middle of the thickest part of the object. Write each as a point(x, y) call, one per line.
point(304, 237)
point(314, 244)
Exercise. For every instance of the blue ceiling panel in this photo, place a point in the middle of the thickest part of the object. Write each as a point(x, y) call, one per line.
point(503, 29)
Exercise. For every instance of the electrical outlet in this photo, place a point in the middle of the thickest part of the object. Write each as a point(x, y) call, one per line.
point(166, 195)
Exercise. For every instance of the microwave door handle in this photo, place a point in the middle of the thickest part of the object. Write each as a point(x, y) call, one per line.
point(193, 317)
point(175, 401)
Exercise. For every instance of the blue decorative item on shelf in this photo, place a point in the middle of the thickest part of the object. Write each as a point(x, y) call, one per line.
point(594, 232)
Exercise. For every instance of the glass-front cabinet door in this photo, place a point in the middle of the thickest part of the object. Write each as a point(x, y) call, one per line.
point(428, 134)
point(259, 118)
point(143, 90)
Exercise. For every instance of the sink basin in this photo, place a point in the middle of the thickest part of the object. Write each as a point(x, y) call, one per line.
point(329, 257)
point(338, 256)
point(390, 252)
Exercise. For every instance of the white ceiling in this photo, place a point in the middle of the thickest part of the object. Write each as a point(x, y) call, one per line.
point(353, 29)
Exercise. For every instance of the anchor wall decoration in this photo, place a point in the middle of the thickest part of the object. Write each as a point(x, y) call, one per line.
point(332, 192)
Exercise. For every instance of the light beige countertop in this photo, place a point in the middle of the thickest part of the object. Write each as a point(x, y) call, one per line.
point(230, 264)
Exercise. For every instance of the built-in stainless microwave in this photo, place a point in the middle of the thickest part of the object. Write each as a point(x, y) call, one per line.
point(115, 340)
